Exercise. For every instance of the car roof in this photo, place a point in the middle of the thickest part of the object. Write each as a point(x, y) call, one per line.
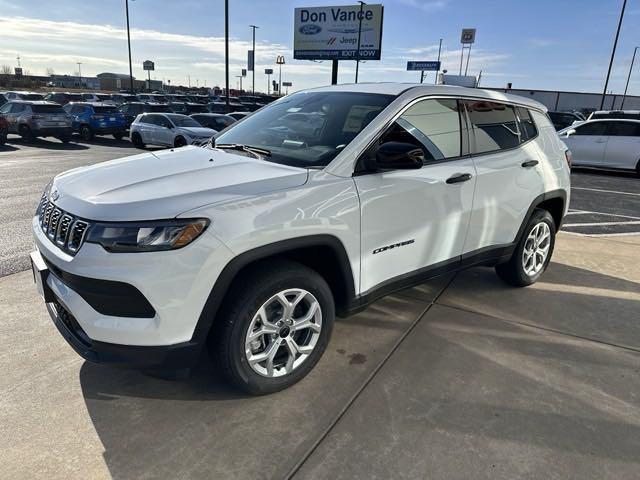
point(630, 112)
point(420, 89)
point(34, 102)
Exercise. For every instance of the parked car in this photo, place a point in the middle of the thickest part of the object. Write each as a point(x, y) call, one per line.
point(252, 247)
point(221, 107)
point(167, 129)
point(152, 98)
point(564, 119)
point(133, 109)
point(618, 114)
point(4, 130)
point(239, 115)
point(608, 144)
point(91, 119)
point(122, 98)
point(23, 96)
point(214, 121)
point(38, 118)
point(188, 108)
point(63, 97)
point(104, 98)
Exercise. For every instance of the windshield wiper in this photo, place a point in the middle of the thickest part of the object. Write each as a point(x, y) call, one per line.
point(259, 152)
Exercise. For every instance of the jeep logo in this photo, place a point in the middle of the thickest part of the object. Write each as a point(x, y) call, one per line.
point(310, 29)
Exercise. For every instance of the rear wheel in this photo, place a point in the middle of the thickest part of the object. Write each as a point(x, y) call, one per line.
point(136, 139)
point(86, 133)
point(533, 252)
point(275, 327)
point(179, 142)
point(118, 135)
point(3, 138)
point(638, 168)
point(25, 132)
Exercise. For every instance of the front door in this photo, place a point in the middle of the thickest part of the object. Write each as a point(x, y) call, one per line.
point(414, 221)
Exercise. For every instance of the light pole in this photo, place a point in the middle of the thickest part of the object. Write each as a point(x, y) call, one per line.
point(79, 73)
point(280, 62)
point(613, 54)
point(362, 4)
point(240, 77)
point(626, 87)
point(253, 70)
point(226, 54)
point(126, 7)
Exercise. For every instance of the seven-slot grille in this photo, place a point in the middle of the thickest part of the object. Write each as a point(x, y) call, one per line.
point(62, 228)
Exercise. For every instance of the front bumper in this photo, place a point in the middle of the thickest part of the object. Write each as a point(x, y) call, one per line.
point(107, 326)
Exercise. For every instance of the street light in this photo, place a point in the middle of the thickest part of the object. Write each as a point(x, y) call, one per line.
point(280, 62)
point(126, 7)
point(253, 70)
point(626, 87)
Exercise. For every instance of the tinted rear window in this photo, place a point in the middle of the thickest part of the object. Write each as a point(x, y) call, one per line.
point(31, 96)
point(47, 109)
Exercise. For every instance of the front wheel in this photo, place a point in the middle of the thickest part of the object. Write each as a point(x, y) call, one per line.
point(136, 139)
point(118, 135)
point(86, 133)
point(3, 138)
point(533, 253)
point(275, 327)
point(179, 142)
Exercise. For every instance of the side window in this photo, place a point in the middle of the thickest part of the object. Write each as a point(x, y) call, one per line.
point(432, 125)
point(17, 108)
point(528, 128)
point(5, 108)
point(146, 119)
point(593, 128)
point(494, 125)
point(77, 110)
point(623, 129)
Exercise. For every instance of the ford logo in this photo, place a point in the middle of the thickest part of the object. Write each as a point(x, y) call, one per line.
point(310, 29)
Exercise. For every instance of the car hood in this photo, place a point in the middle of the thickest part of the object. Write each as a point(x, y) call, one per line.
point(166, 183)
point(197, 131)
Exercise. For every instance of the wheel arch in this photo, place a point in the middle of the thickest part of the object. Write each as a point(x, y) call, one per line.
point(324, 254)
point(553, 201)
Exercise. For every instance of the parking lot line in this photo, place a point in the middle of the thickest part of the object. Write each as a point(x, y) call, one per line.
point(580, 212)
point(601, 224)
point(605, 191)
point(624, 234)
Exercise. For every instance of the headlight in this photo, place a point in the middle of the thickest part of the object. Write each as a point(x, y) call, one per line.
point(146, 236)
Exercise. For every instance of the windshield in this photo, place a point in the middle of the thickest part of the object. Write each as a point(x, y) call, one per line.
point(183, 121)
point(307, 129)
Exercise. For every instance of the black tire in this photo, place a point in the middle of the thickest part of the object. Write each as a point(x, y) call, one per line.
point(118, 135)
point(513, 271)
point(247, 294)
point(638, 168)
point(65, 139)
point(86, 133)
point(3, 138)
point(179, 142)
point(136, 139)
point(25, 132)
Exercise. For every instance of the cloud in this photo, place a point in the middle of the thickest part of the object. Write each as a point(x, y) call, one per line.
point(541, 42)
point(426, 5)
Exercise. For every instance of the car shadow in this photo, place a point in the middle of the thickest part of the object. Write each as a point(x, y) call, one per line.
point(7, 148)
point(48, 144)
point(104, 140)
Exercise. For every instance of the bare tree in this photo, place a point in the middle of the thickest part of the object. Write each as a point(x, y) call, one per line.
point(26, 72)
point(5, 70)
point(50, 72)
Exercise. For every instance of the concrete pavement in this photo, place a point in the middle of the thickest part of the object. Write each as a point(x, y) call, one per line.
point(488, 382)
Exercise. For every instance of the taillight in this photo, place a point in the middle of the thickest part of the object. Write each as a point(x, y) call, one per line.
point(569, 156)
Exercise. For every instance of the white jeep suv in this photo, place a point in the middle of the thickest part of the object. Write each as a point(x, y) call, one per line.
point(252, 246)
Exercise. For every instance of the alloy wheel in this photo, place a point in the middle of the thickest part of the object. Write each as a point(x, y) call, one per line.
point(536, 249)
point(283, 333)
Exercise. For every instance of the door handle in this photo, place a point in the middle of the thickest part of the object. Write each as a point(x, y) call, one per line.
point(600, 140)
point(530, 163)
point(459, 178)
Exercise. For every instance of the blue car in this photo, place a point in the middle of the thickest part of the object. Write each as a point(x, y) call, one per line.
point(89, 119)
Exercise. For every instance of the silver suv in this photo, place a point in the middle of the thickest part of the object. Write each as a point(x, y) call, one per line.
point(37, 119)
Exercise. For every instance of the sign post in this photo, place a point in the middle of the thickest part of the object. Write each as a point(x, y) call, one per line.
point(148, 65)
point(287, 84)
point(346, 32)
point(467, 38)
point(268, 72)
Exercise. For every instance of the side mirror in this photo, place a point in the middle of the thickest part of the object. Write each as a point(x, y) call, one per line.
point(568, 133)
point(397, 156)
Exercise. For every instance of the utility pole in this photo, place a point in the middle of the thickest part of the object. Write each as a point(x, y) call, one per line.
point(439, 52)
point(253, 70)
point(226, 52)
point(362, 4)
point(626, 87)
point(126, 6)
point(79, 73)
point(613, 54)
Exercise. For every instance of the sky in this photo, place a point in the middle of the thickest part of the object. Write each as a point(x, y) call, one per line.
point(542, 44)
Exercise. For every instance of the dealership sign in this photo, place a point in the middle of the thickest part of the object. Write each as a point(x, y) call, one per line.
point(331, 33)
point(148, 65)
point(423, 66)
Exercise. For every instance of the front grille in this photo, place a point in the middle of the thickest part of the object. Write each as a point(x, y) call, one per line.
point(62, 228)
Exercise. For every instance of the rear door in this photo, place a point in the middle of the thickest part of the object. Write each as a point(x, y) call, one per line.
point(509, 177)
point(588, 143)
point(623, 145)
point(415, 221)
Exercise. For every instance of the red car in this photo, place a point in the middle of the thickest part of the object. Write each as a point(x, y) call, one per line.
point(4, 128)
